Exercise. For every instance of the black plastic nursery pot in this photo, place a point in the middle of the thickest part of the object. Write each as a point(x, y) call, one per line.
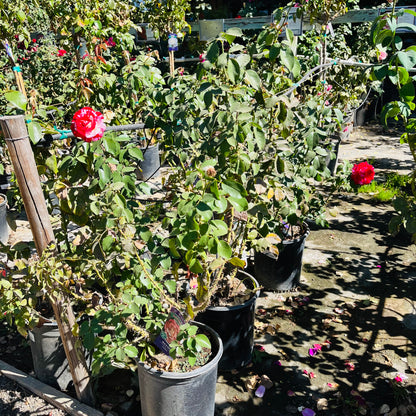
point(281, 272)
point(4, 229)
point(183, 394)
point(150, 165)
point(48, 354)
point(235, 326)
point(333, 152)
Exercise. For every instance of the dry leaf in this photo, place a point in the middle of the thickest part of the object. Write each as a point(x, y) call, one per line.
point(271, 330)
point(251, 382)
point(322, 404)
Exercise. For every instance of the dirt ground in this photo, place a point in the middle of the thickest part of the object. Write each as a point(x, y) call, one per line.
point(336, 345)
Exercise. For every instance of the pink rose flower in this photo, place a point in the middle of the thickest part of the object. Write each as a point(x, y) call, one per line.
point(362, 173)
point(88, 124)
point(61, 52)
point(382, 56)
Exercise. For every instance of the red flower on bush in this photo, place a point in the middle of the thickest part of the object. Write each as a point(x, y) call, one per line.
point(88, 124)
point(362, 173)
point(110, 42)
point(61, 52)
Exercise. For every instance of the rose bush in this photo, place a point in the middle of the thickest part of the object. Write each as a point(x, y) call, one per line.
point(362, 173)
point(88, 124)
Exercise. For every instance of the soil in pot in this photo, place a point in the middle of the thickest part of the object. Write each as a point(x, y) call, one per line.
point(234, 321)
point(281, 272)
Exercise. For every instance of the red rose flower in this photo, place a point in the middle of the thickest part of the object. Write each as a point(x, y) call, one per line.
point(61, 52)
point(88, 124)
point(362, 173)
point(110, 42)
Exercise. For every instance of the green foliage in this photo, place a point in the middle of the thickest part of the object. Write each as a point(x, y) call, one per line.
point(165, 16)
point(385, 34)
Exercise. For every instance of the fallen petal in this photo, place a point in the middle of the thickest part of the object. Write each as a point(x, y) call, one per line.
point(260, 391)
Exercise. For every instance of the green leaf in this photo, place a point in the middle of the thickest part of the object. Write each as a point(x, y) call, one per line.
point(288, 59)
point(407, 92)
point(212, 52)
point(202, 340)
point(195, 266)
point(380, 71)
point(135, 153)
point(240, 204)
point(405, 59)
point(21, 16)
point(131, 351)
point(243, 60)
point(107, 242)
point(253, 79)
point(17, 99)
point(219, 228)
point(237, 262)
point(224, 249)
point(204, 211)
point(233, 71)
point(171, 286)
point(35, 131)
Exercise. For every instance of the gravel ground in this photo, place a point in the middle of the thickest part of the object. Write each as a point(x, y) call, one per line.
point(16, 401)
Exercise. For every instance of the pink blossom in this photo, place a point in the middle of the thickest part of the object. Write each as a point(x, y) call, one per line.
point(398, 378)
point(350, 366)
point(382, 56)
point(202, 58)
point(296, 5)
point(318, 346)
point(329, 88)
point(326, 102)
point(312, 351)
point(61, 52)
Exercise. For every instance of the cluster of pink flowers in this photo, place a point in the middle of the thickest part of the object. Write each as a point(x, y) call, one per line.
point(61, 52)
point(299, 4)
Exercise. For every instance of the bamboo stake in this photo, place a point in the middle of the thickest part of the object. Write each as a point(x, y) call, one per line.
point(17, 140)
point(16, 68)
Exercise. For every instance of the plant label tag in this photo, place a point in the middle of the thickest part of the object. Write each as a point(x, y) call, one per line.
point(170, 331)
point(173, 42)
point(331, 29)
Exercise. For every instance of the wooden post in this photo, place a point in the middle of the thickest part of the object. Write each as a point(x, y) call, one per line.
point(17, 140)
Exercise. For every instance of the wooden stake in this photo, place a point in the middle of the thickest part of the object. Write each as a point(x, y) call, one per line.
point(17, 140)
point(172, 62)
